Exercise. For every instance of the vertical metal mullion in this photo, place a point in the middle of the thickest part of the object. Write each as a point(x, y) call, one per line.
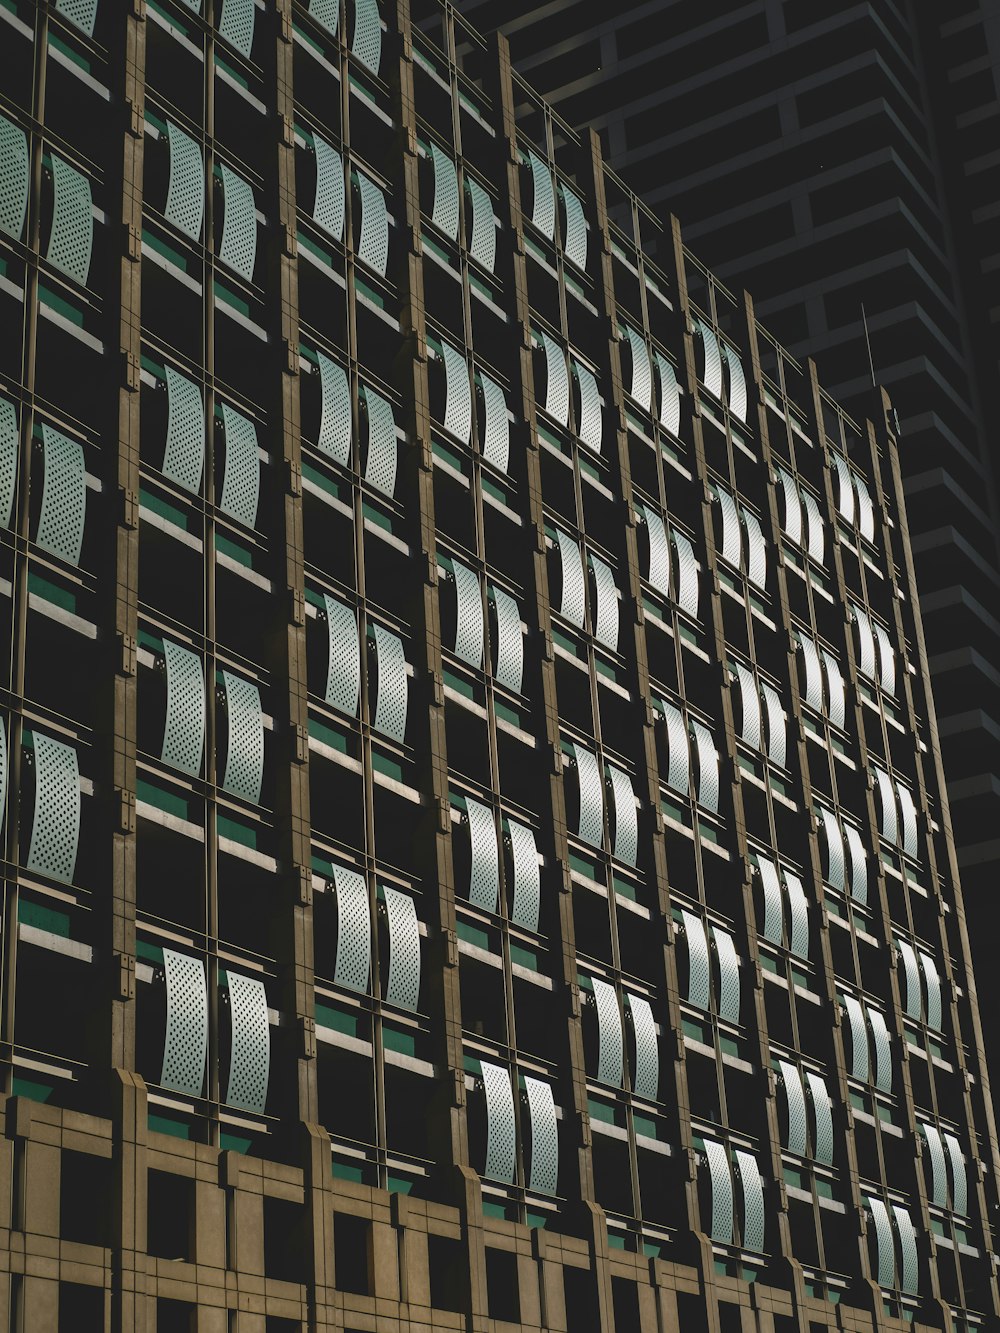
point(214, 1088)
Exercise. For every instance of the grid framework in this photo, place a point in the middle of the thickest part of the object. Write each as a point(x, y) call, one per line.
point(476, 851)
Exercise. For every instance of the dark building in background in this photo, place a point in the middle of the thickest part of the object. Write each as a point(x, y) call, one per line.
point(475, 848)
point(830, 157)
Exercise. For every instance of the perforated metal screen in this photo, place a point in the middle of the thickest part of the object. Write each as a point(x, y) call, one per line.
point(366, 43)
point(354, 931)
point(458, 394)
point(527, 876)
point(237, 24)
point(509, 648)
point(556, 380)
point(185, 206)
point(391, 690)
point(589, 785)
point(722, 1192)
point(646, 1079)
point(501, 1136)
point(483, 244)
point(445, 208)
point(9, 444)
point(711, 367)
point(241, 483)
point(380, 464)
point(544, 1175)
point(55, 828)
point(184, 727)
point(250, 1054)
point(63, 511)
point(610, 1059)
point(343, 671)
point(626, 836)
point(590, 426)
point(244, 774)
point(753, 1200)
point(495, 429)
point(373, 242)
point(184, 455)
point(185, 1041)
point(403, 987)
point(329, 201)
point(71, 238)
point(572, 603)
point(605, 613)
point(484, 873)
point(14, 172)
point(543, 208)
point(469, 630)
point(238, 247)
point(575, 234)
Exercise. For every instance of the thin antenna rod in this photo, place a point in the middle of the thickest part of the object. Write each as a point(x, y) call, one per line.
point(868, 342)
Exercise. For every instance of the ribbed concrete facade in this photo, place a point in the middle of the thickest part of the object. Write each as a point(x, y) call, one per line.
point(476, 853)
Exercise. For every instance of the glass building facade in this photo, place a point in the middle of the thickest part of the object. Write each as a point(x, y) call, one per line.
point(475, 844)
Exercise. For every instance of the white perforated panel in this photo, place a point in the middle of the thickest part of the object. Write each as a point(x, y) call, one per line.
point(8, 460)
point(834, 840)
point(885, 1269)
point(241, 485)
point(185, 1042)
point(756, 549)
point(469, 630)
point(380, 464)
point(184, 455)
point(883, 1049)
point(798, 912)
point(641, 382)
point(238, 247)
point(711, 369)
point(373, 242)
point(708, 767)
point(729, 975)
point(391, 690)
point(886, 660)
point(367, 40)
point(81, 13)
point(328, 205)
point(572, 599)
point(932, 982)
point(343, 673)
point(184, 728)
point(886, 802)
point(556, 380)
point(844, 488)
point(795, 1108)
point(626, 839)
point(589, 786)
point(575, 235)
point(335, 418)
point(687, 574)
point(237, 24)
point(678, 751)
point(544, 1175)
point(776, 730)
point(354, 931)
point(13, 178)
point(737, 382)
point(55, 828)
point(245, 754)
point(63, 510)
point(822, 1119)
point(699, 976)
point(646, 1079)
point(484, 866)
point(483, 244)
point(610, 1060)
point(722, 1192)
point(527, 876)
point(792, 507)
point(543, 208)
point(859, 864)
point(604, 615)
point(859, 1038)
point(866, 510)
point(403, 987)
point(959, 1176)
point(939, 1179)
point(836, 698)
point(590, 427)
point(185, 206)
point(71, 239)
point(749, 706)
point(326, 13)
point(908, 1262)
point(753, 1200)
point(500, 1126)
point(658, 570)
point(445, 208)
point(250, 1057)
point(494, 423)
point(908, 820)
point(732, 537)
point(458, 394)
point(771, 885)
point(509, 647)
